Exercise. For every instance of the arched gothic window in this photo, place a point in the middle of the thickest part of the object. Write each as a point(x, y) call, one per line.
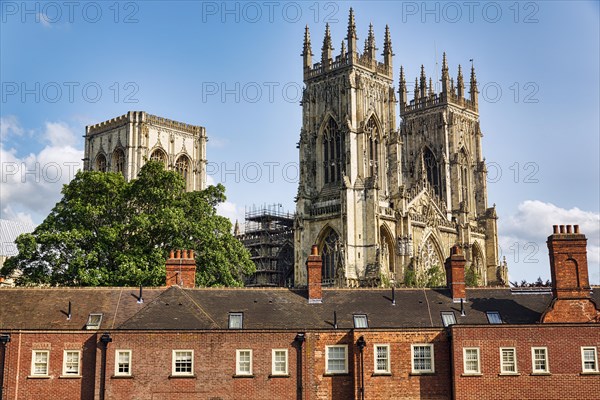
point(101, 163)
point(334, 150)
point(464, 176)
point(372, 147)
point(331, 256)
point(118, 161)
point(433, 170)
point(159, 155)
point(182, 166)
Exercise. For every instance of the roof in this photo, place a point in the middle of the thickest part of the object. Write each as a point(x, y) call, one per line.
point(272, 308)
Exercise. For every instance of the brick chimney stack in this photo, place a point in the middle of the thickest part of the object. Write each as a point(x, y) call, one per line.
point(314, 265)
point(181, 269)
point(570, 283)
point(455, 274)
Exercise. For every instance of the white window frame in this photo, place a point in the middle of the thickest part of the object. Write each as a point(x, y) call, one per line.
point(33, 362)
point(466, 370)
point(534, 370)
point(333, 372)
point(117, 363)
point(376, 368)
point(65, 372)
point(174, 362)
point(274, 362)
point(583, 360)
point(238, 370)
point(412, 359)
point(504, 364)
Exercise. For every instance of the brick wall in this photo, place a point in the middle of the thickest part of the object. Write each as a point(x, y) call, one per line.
point(18, 383)
point(563, 342)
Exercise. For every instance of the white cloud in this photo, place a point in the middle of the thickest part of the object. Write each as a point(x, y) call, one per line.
point(10, 125)
point(523, 238)
point(31, 184)
point(232, 211)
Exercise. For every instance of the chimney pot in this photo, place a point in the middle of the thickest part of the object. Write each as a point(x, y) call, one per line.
point(191, 253)
point(562, 229)
point(171, 254)
point(314, 251)
point(576, 228)
point(178, 254)
point(568, 228)
point(185, 254)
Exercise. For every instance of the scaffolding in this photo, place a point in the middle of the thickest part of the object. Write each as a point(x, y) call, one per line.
point(269, 237)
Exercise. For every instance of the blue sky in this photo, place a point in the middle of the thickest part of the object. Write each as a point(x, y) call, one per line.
point(236, 69)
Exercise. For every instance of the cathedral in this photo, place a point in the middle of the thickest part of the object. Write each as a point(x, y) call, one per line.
point(385, 203)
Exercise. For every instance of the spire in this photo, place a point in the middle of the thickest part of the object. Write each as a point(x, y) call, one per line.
point(387, 47)
point(445, 75)
point(460, 84)
point(236, 229)
point(423, 83)
point(430, 87)
point(343, 50)
point(402, 88)
point(473, 89)
point(327, 48)
point(351, 38)
point(307, 50)
point(370, 49)
point(416, 89)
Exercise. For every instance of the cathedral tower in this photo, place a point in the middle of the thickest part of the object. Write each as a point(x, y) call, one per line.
point(443, 199)
point(124, 144)
point(347, 141)
point(385, 205)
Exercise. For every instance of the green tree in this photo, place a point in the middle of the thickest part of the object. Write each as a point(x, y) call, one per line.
point(108, 232)
point(472, 277)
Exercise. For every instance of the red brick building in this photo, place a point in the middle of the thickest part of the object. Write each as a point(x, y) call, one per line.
point(179, 342)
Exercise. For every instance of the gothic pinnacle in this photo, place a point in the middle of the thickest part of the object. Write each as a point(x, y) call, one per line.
point(327, 48)
point(416, 88)
point(430, 87)
point(460, 83)
point(351, 38)
point(402, 80)
point(343, 49)
point(307, 50)
point(423, 82)
point(387, 47)
point(444, 63)
point(351, 25)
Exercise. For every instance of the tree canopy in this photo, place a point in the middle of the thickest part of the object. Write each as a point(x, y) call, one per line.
point(109, 232)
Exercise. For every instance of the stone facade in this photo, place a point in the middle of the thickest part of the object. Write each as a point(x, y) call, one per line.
point(381, 200)
point(124, 144)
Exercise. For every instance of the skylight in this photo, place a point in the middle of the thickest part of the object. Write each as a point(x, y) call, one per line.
point(493, 317)
point(360, 321)
point(236, 320)
point(448, 318)
point(94, 320)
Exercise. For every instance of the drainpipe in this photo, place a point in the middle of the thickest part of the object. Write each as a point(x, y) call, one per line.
point(361, 343)
point(105, 339)
point(4, 339)
point(298, 340)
